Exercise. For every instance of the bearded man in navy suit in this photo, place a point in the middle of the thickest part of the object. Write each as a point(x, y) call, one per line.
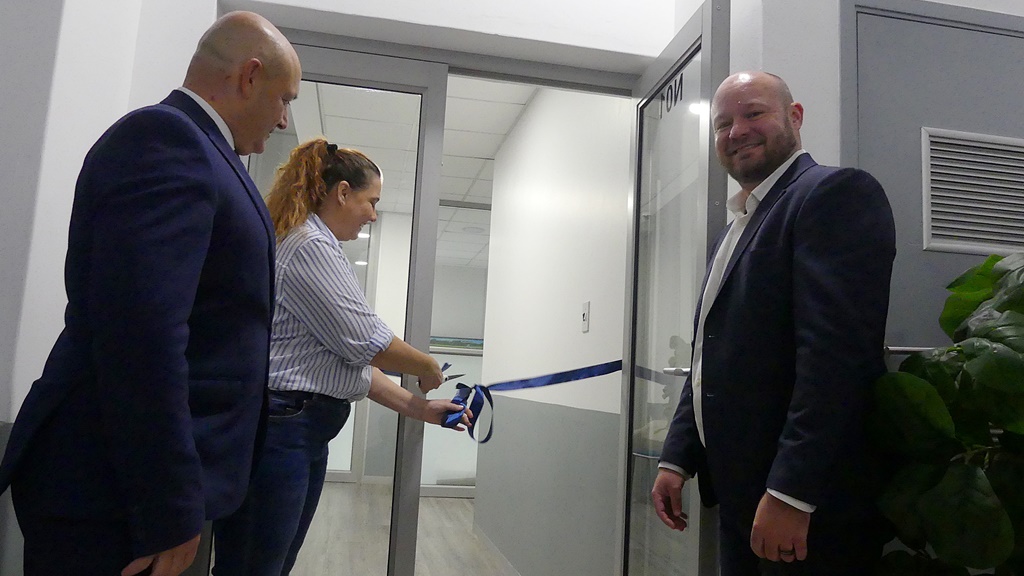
point(788, 342)
point(145, 420)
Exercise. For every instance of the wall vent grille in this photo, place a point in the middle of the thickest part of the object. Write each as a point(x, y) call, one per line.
point(973, 192)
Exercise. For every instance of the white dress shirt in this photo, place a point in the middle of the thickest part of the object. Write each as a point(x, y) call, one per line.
point(221, 124)
point(742, 209)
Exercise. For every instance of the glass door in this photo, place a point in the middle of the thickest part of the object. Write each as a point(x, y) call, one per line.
point(392, 110)
point(679, 204)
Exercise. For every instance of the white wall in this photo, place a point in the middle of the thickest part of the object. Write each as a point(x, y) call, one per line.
point(459, 295)
point(558, 239)
point(168, 35)
point(106, 58)
point(91, 86)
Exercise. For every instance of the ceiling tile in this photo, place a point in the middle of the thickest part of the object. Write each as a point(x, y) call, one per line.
point(461, 166)
point(466, 87)
point(469, 240)
point(481, 188)
point(380, 105)
point(389, 160)
point(472, 144)
point(459, 248)
point(481, 116)
point(488, 171)
point(481, 230)
point(470, 216)
point(361, 134)
point(478, 199)
point(455, 187)
point(451, 260)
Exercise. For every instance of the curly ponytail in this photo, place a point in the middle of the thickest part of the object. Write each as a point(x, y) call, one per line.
point(304, 180)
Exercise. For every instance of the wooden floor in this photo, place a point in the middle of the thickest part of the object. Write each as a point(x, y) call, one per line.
point(349, 535)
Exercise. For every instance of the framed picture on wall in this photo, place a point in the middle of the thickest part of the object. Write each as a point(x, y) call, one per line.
point(455, 344)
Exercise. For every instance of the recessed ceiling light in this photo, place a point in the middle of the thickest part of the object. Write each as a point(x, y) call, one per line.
point(700, 108)
point(364, 235)
point(360, 263)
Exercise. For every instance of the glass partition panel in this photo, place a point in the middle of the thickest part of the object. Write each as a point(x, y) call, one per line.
point(671, 230)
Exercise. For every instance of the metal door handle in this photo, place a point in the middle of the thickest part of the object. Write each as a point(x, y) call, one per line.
point(676, 371)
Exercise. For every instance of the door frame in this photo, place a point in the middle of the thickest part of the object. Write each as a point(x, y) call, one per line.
point(707, 32)
point(430, 81)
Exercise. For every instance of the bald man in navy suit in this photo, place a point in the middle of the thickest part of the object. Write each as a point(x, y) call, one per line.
point(788, 342)
point(144, 422)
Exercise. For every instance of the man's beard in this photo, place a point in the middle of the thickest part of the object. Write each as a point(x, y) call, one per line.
point(776, 152)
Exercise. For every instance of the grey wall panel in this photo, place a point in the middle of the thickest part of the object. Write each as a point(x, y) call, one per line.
point(30, 30)
point(546, 491)
point(11, 542)
point(912, 74)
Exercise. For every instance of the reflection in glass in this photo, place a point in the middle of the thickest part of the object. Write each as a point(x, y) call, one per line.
point(460, 284)
point(671, 222)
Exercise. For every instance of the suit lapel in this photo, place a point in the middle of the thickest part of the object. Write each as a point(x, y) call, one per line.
point(801, 165)
point(186, 104)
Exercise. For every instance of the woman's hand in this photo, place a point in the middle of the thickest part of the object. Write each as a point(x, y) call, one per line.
point(436, 412)
point(432, 379)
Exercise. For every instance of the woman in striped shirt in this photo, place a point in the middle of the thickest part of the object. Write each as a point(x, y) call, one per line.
point(327, 350)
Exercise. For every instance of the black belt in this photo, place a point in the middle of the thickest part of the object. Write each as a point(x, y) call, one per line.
point(304, 395)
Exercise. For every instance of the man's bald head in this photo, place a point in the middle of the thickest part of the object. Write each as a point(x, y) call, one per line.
point(235, 38)
point(766, 82)
point(248, 72)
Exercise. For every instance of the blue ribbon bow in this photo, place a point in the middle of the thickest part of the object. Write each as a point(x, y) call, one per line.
point(476, 394)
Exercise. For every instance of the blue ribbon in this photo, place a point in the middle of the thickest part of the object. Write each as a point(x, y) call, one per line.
point(476, 394)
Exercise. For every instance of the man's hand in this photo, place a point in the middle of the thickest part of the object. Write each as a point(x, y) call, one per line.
point(667, 495)
point(167, 563)
point(780, 531)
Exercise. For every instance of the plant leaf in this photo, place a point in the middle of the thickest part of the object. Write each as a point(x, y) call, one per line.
point(903, 563)
point(1004, 410)
point(1003, 265)
point(973, 426)
point(939, 366)
point(994, 365)
point(969, 290)
point(910, 418)
point(899, 501)
point(965, 522)
point(1006, 475)
point(1006, 328)
point(1013, 443)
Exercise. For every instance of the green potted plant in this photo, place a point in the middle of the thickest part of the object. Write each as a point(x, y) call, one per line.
point(952, 421)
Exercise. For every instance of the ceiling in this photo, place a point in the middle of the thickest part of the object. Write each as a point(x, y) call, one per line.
point(385, 126)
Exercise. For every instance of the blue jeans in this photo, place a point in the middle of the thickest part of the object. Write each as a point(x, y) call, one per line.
point(264, 536)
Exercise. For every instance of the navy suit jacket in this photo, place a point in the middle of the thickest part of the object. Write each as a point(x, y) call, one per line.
point(792, 345)
point(150, 403)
